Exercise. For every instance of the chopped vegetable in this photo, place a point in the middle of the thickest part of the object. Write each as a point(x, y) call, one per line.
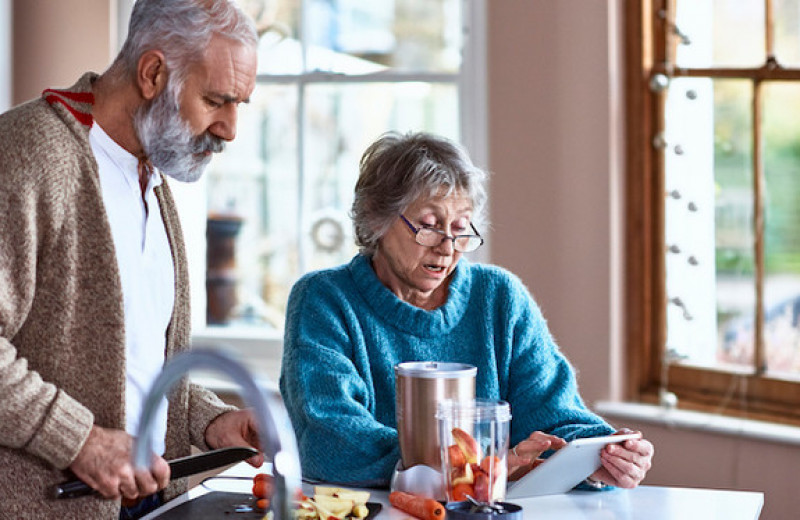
point(332, 503)
point(421, 507)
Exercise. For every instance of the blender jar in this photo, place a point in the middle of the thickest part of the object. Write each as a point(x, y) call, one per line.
point(474, 440)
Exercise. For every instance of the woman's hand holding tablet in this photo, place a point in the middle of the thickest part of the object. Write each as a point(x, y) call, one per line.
point(566, 468)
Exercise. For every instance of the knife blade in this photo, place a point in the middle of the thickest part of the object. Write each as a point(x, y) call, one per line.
point(179, 468)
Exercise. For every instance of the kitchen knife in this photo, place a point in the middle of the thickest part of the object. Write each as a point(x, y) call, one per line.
point(179, 468)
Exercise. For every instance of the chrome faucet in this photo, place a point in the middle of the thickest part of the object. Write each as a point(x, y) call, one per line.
point(277, 437)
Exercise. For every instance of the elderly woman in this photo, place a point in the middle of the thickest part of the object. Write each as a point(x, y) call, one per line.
point(410, 296)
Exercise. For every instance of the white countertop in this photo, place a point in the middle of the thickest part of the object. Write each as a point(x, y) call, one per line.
point(642, 503)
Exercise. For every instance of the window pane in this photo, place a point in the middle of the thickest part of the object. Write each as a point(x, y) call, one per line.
point(708, 179)
point(782, 227)
point(733, 172)
point(256, 180)
point(278, 24)
point(279, 197)
point(405, 35)
point(720, 33)
point(341, 121)
point(689, 232)
point(787, 32)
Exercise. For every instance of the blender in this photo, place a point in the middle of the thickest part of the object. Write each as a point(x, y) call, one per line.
point(420, 386)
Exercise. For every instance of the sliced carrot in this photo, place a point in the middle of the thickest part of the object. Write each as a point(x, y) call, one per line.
point(421, 507)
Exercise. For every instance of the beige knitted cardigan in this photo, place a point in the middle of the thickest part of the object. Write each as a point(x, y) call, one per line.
point(62, 346)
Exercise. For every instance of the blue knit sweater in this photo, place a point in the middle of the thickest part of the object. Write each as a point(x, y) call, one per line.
point(345, 332)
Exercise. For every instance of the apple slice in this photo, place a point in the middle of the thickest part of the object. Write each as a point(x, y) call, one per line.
point(456, 456)
point(358, 497)
point(305, 512)
point(491, 466)
point(469, 446)
point(461, 475)
point(360, 511)
point(481, 487)
point(332, 506)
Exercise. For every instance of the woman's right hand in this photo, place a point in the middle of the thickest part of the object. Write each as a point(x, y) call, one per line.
point(525, 456)
point(104, 463)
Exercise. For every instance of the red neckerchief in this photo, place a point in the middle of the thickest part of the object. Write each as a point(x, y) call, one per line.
point(68, 99)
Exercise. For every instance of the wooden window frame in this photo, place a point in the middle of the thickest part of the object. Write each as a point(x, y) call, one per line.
point(752, 394)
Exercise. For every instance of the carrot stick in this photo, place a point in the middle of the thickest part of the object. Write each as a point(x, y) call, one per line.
point(421, 507)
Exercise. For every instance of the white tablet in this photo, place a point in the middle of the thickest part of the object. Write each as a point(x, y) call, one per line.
point(564, 469)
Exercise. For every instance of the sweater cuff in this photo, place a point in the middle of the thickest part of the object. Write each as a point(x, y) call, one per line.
point(63, 433)
point(205, 406)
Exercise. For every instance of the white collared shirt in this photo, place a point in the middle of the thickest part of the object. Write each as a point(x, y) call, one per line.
point(146, 272)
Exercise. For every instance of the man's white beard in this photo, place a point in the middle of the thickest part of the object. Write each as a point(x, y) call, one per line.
point(168, 141)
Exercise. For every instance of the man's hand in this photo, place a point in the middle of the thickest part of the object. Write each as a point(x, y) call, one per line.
point(236, 428)
point(104, 463)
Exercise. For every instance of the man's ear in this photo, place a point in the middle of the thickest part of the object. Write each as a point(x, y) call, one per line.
point(151, 74)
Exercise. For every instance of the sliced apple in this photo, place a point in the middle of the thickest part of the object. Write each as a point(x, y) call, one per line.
point(481, 486)
point(469, 446)
point(491, 465)
point(456, 456)
point(332, 506)
point(358, 497)
point(462, 475)
point(306, 513)
point(476, 468)
point(324, 513)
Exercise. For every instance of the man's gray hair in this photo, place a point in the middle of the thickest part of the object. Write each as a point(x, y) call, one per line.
point(182, 30)
point(396, 170)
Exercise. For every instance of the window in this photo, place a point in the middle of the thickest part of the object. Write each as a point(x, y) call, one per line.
point(713, 184)
point(333, 76)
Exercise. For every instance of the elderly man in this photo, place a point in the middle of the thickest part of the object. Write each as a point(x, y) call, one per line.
point(93, 282)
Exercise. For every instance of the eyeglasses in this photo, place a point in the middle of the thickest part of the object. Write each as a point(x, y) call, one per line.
point(431, 237)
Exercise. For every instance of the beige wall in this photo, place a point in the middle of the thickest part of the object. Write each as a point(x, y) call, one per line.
point(554, 141)
point(55, 41)
point(550, 154)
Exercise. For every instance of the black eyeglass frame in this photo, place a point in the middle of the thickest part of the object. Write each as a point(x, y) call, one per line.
point(444, 236)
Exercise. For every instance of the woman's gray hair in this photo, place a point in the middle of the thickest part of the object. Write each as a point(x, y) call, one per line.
point(182, 30)
point(396, 170)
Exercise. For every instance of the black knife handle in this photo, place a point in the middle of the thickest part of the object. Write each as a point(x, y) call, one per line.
point(72, 489)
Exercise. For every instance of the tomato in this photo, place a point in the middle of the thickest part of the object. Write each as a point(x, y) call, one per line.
point(260, 489)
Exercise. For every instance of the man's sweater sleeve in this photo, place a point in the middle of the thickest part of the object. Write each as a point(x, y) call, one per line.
point(35, 416)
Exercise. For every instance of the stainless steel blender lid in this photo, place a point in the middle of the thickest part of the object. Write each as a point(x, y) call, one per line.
point(435, 369)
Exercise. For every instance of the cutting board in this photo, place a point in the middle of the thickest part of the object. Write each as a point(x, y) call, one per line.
point(218, 505)
point(214, 506)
